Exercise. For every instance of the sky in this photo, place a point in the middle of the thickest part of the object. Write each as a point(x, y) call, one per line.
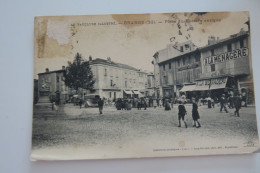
point(128, 39)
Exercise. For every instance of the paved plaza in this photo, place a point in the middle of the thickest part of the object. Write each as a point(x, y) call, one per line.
point(71, 125)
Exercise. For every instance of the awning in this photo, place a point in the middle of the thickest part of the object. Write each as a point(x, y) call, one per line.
point(218, 83)
point(128, 92)
point(188, 88)
point(136, 92)
point(201, 87)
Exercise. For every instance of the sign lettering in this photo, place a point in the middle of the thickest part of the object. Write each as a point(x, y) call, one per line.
point(228, 56)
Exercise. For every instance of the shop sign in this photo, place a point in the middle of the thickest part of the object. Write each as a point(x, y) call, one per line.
point(228, 56)
point(218, 81)
point(203, 82)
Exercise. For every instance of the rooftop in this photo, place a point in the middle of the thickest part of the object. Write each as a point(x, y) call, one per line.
point(239, 35)
point(115, 64)
point(55, 71)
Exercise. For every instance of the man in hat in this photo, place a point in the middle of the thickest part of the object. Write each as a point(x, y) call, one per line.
point(223, 102)
point(237, 104)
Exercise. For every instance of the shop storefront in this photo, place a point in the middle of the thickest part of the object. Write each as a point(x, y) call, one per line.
point(216, 86)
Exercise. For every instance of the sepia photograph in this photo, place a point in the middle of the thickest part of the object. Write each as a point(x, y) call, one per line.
point(143, 85)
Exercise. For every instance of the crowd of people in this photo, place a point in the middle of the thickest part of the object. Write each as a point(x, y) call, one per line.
point(232, 101)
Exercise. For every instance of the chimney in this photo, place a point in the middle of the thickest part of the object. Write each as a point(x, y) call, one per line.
point(90, 58)
point(211, 40)
point(47, 70)
point(63, 67)
point(109, 59)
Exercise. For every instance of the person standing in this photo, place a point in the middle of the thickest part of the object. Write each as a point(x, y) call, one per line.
point(154, 103)
point(80, 103)
point(195, 114)
point(138, 104)
point(145, 103)
point(160, 102)
point(213, 102)
point(223, 102)
point(172, 102)
point(209, 102)
point(231, 101)
point(100, 105)
point(244, 98)
point(182, 113)
point(167, 105)
point(237, 104)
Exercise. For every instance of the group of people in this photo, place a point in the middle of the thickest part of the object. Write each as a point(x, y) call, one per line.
point(127, 104)
point(236, 101)
point(182, 112)
point(232, 101)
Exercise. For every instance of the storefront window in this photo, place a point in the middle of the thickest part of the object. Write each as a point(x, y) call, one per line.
point(197, 58)
point(212, 52)
point(189, 60)
point(181, 48)
point(212, 67)
point(241, 42)
point(229, 47)
point(105, 72)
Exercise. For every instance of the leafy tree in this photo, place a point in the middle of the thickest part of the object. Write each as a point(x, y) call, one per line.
point(79, 74)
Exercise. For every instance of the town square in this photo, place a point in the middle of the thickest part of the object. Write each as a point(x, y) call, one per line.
point(126, 90)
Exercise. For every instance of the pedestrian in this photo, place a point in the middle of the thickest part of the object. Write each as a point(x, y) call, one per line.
point(223, 102)
point(167, 105)
point(231, 101)
point(172, 102)
point(154, 103)
point(144, 103)
point(80, 103)
point(100, 105)
point(182, 113)
point(213, 103)
point(209, 102)
point(237, 104)
point(138, 104)
point(52, 105)
point(244, 98)
point(160, 102)
point(195, 114)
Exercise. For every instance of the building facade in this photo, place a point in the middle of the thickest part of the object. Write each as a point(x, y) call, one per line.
point(177, 65)
point(226, 65)
point(219, 67)
point(115, 80)
point(51, 84)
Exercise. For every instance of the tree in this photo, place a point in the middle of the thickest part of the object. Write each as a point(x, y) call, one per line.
point(79, 74)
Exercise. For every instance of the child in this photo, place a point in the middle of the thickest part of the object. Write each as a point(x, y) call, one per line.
point(195, 113)
point(182, 113)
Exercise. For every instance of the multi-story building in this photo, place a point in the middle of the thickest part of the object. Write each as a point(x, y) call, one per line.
point(51, 84)
point(115, 80)
point(226, 65)
point(219, 67)
point(150, 88)
point(175, 66)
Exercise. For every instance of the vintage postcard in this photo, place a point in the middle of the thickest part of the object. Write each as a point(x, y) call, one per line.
point(143, 85)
